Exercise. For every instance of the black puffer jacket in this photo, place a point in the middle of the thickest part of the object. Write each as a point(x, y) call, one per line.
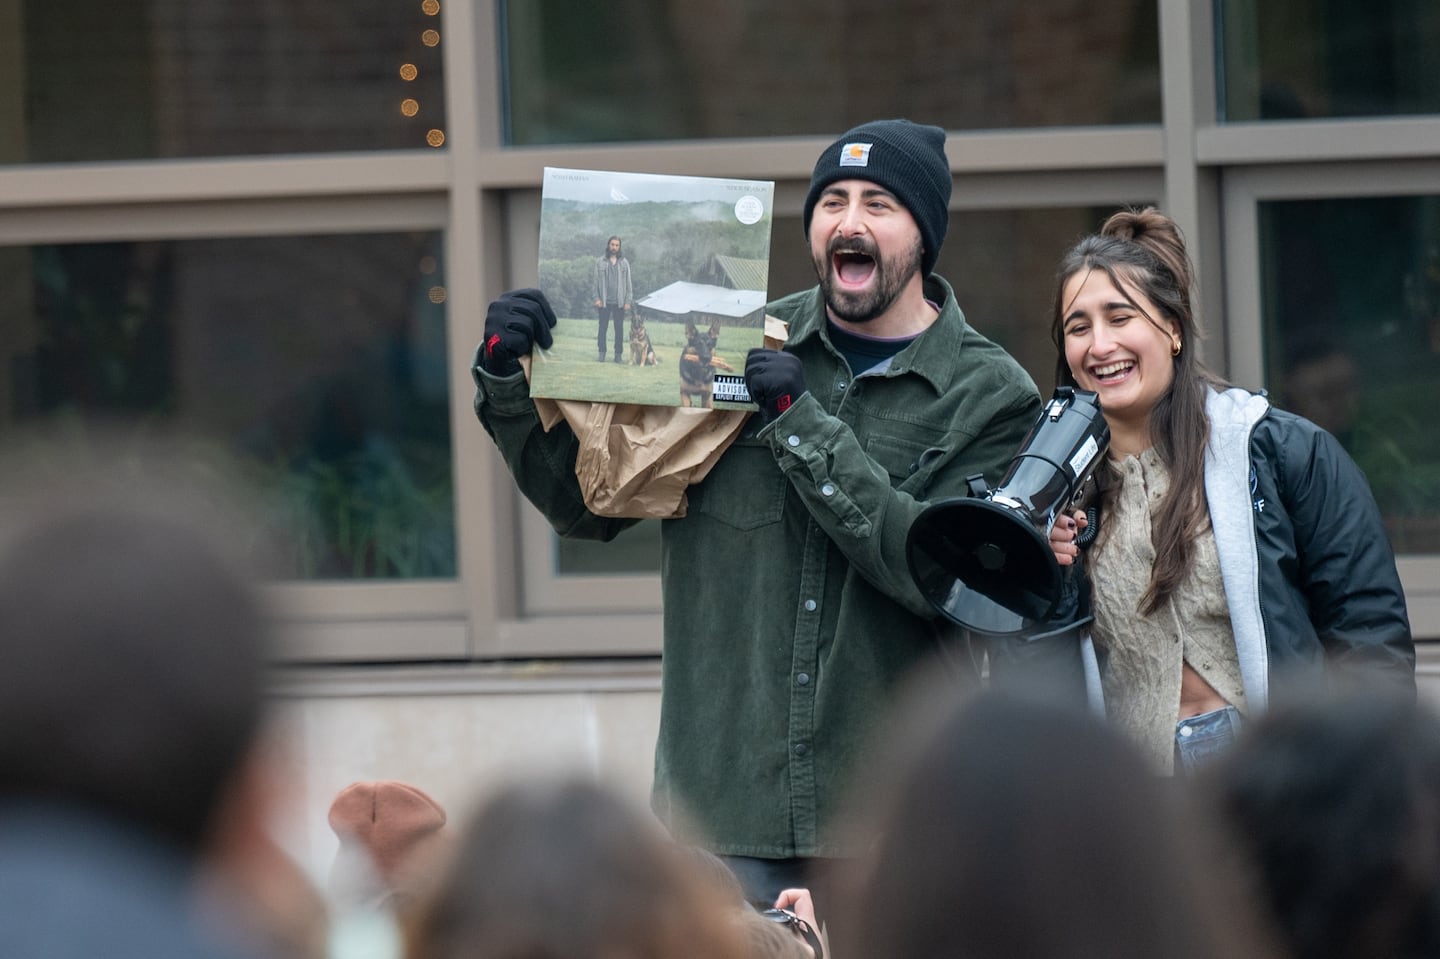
point(1309, 573)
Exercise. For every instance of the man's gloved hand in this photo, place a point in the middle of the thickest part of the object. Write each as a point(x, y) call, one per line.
point(513, 323)
point(775, 380)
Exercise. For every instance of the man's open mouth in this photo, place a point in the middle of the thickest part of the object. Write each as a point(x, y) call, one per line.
point(853, 267)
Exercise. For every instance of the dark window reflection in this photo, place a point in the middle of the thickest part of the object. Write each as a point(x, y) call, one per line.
point(97, 80)
point(1292, 59)
point(319, 361)
point(1351, 293)
point(667, 69)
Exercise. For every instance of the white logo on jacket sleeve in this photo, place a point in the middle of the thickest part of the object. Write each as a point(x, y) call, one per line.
point(1259, 501)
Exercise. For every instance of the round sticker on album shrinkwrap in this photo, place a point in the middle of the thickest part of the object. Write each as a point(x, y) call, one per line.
point(749, 209)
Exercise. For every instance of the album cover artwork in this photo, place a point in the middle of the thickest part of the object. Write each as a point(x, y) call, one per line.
point(658, 284)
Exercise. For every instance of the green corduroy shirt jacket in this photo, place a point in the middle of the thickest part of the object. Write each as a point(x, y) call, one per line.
point(789, 612)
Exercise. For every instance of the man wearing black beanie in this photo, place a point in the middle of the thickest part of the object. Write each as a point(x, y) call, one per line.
point(789, 612)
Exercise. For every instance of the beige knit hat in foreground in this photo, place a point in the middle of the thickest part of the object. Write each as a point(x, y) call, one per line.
point(391, 820)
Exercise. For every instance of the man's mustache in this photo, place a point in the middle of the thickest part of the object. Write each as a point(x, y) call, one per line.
point(854, 245)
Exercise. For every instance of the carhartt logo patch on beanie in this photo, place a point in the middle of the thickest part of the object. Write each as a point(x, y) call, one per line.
point(908, 159)
point(855, 154)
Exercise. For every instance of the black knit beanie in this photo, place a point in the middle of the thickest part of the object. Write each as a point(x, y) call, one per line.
point(908, 159)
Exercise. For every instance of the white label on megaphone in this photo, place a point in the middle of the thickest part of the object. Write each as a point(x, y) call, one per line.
point(1083, 456)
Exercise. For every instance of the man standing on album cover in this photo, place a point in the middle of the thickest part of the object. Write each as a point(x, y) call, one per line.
point(613, 297)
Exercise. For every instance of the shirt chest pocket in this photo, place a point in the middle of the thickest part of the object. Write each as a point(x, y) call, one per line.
point(745, 489)
point(910, 463)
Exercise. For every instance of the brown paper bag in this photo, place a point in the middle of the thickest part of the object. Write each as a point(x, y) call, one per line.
point(636, 461)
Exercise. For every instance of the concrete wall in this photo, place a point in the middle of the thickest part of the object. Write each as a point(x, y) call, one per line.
point(456, 731)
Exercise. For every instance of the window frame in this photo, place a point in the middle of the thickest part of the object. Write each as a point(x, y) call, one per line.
point(1246, 187)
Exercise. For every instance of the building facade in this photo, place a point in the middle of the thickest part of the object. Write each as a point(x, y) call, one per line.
point(277, 226)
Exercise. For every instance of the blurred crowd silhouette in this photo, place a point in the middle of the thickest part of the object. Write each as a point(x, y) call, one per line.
point(136, 785)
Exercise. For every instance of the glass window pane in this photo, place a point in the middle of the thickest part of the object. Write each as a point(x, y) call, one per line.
point(658, 69)
point(96, 80)
point(1351, 312)
point(1293, 59)
point(319, 361)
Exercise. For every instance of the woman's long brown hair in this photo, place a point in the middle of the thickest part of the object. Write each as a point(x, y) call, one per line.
point(1143, 250)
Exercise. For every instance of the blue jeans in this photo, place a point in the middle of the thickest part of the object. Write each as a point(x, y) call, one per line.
point(1200, 738)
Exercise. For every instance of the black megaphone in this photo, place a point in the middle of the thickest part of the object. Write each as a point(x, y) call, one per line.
point(984, 560)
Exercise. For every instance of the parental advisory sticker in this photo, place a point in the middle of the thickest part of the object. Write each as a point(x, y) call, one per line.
point(731, 389)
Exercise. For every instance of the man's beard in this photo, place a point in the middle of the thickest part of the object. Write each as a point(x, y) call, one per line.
point(891, 276)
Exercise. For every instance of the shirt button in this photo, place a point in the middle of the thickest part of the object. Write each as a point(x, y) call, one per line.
point(793, 440)
point(803, 679)
point(810, 605)
point(828, 489)
point(801, 749)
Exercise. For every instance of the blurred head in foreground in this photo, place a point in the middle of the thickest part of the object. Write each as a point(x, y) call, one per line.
point(568, 870)
point(134, 645)
point(1012, 827)
point(1336, 804)
point(133, 640)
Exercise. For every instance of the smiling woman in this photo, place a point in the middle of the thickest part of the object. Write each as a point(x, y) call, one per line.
point(1112, 353)
point(1215, 506)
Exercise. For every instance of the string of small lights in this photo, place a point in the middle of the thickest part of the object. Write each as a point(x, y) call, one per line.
point(409, 72)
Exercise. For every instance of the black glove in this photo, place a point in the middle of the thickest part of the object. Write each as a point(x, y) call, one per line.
point(514, 322)
point(775, 380)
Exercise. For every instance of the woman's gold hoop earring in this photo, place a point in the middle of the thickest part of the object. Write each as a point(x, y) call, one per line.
point(1175, 348)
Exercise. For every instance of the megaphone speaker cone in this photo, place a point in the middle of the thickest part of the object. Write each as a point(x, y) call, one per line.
point(984, 565)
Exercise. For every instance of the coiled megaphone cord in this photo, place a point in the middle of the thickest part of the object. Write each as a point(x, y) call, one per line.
point(1086, 536)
